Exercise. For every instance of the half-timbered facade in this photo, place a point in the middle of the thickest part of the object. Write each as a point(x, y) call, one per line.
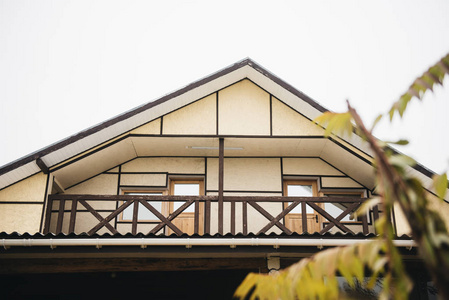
point(229, 173)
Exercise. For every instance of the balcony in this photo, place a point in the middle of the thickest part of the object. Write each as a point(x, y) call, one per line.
point(204, 215)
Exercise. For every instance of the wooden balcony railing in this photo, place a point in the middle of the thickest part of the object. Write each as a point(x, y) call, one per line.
point(63, 212)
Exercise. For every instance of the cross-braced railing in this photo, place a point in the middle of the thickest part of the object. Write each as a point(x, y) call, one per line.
point(63, 213)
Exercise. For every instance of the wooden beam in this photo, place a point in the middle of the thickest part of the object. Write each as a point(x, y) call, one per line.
point(304, 217)
point(196, 218)
point(57, 185)
point(207, 218)
point(220, 185)
point(40, 163)
point(340, 217)
point(171, 216)
point(103, 221)
point(329, 217)
point(278, 217)
point(48, 215)
point(245, 217)
point(73, 216)
point(135, 215)
point(84, 265)
point(161, 217)
point(60, 216)
point(232, 217)
point(270, 217)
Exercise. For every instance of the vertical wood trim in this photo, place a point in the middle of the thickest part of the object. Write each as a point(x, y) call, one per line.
point(162, 125)
point(205, 176)
point(207, 218)
point(196, 217)
point(365, 224)
point(216, 112)
point(233, 217)
point(45, 202)
point(375, 213)
point(48, 215)
point(135, 215)
point(60, 216)
point(271, 115)
point(281, 161)
point(220, 185)
point(73, 216)
point(245, 217)
point(304, 216)
point(119, 178)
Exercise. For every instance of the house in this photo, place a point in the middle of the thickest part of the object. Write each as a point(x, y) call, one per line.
point(187, 194)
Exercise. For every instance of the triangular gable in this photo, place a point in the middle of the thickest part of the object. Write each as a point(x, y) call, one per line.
point(270, 95)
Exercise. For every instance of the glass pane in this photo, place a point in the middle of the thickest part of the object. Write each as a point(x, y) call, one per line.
point(297, 190)
point(143, 214)
point(185, 189)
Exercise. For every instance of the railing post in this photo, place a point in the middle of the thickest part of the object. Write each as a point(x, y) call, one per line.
point(232, 217)
point(73, 216)
point(304, 216)
point(60, 216)
point(245, 217)
point(135, 217)
point(196, 218)
point(207, 218)
point(220, 185)
point(48, 214)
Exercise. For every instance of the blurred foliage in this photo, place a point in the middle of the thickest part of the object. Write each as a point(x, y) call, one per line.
point(378, 259)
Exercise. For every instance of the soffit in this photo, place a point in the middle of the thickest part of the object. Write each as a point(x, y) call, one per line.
point(128, 148)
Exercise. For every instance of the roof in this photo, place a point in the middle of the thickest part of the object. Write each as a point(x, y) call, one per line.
point(50, 156)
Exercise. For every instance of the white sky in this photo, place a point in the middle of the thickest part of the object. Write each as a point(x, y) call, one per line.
point(68, 65)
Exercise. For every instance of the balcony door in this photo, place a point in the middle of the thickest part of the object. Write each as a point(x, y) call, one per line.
point(186, 220)
point(293, 220)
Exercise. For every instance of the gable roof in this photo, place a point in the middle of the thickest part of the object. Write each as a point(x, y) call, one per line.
point(72, 146)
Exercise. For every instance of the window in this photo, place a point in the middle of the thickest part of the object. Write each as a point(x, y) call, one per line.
point(294, 219)
point(185, 188)
point(177, 187)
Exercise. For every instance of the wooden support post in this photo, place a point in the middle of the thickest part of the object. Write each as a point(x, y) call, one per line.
point(232, 217)
point(220, 185)
point(365, 225)
point(196, 218)
point(245, 217)
point(304, 217)
point(60, 216)
point(73, 216)
point(207, 218)
point(135, 215)
point(375, 213)
point(48, 214)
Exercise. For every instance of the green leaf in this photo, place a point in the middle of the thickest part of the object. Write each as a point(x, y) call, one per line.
point(367, 205)
point(377, 120)
point(440, 185)
point(402, 160)
point(399, 142)
point(433, 76)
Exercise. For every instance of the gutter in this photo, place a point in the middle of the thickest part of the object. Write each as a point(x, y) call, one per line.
point(189, 242)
